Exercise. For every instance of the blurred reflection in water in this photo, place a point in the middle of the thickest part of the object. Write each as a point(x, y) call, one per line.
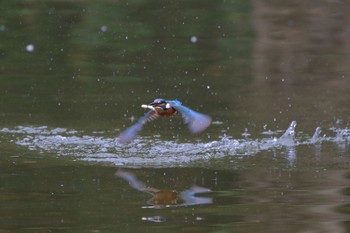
point(167, 198)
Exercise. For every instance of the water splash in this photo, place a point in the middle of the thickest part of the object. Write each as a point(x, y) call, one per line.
point(154, 152)
point(316, 137)
point(342, 138)
point(287, 139)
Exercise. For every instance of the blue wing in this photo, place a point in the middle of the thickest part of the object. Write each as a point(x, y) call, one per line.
point(189, 196)
point(130, 133)
point(131, 179)
point(196, 122)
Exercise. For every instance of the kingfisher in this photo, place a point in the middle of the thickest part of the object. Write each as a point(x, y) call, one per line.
point(196, 122)
point(167, 197)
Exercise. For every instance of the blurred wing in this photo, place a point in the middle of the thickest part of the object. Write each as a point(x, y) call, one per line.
point(131, 179)
point(196, 122)
point(189, 196)
point(130, 133)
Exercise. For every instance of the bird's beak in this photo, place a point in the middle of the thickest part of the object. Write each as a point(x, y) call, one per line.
point(148, 106)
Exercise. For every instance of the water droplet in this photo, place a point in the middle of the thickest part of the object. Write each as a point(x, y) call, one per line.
point(30, 48)
point(104, 28)
point(194, 39)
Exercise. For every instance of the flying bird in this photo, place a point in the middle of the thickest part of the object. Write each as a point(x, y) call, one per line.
point(196, 122)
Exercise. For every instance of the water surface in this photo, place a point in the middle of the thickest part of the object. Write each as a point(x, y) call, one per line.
point(73, 75)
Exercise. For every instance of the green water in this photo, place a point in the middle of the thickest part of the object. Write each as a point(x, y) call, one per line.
point(73, 75)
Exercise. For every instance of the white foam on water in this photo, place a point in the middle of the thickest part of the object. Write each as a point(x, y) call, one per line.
point(154, 152)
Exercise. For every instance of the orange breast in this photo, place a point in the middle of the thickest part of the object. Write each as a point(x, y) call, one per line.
point(165, 197)
point(166, 112)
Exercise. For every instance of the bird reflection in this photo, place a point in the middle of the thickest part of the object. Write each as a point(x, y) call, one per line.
point(167, 198)
point(196, 122)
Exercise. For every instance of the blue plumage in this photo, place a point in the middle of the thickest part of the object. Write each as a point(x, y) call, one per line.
point(196, 122)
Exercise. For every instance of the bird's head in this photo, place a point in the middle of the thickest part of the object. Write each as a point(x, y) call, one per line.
point(158, 102)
